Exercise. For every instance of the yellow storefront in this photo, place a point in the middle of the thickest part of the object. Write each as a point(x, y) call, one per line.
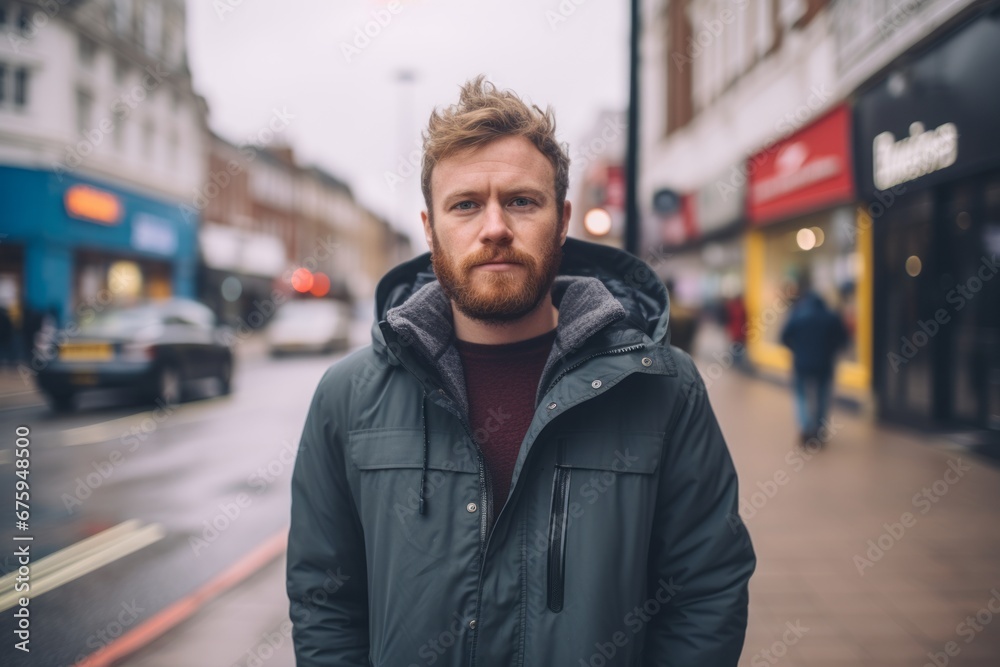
point(804, 222)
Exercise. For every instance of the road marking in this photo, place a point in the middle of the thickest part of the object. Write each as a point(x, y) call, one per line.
point(93, 434)
point(82, 558)
point(178, 612)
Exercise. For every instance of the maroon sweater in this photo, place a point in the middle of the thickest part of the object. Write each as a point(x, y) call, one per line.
point(501, 382)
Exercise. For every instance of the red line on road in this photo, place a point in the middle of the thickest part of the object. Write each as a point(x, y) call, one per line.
point(183, 609)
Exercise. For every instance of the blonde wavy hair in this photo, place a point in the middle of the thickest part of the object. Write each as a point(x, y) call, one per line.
point(484, 114)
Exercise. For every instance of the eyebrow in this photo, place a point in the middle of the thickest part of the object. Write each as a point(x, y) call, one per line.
point(522, 191)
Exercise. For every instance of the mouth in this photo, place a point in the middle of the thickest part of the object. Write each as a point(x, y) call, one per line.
point(497, 266)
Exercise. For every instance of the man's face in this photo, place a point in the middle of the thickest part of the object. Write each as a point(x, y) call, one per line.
point(496, 241)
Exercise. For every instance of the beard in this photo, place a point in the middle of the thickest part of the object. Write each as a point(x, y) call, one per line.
point(498, 297)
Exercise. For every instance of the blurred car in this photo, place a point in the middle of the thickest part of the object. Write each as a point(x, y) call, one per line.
point(310, 325)
point(157, 348)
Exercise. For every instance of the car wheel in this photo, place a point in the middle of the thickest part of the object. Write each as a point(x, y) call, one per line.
point(226, 376)
point(168, 385)
point(63, 401)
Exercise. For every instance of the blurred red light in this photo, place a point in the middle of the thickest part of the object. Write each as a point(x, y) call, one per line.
point(302, 280)
point(321, 285)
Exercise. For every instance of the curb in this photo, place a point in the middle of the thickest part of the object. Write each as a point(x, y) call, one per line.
point(181, 610)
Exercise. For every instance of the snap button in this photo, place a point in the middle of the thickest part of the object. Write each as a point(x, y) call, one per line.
point(471, 507)
point(596, 384)
point(551, 406)
point(646, 361)
point(472, 624)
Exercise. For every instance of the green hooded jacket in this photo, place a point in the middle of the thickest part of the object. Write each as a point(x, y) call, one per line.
point(619, 542)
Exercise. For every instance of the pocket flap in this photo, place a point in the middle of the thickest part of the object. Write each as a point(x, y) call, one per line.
point(376, 449)
point(619, 452)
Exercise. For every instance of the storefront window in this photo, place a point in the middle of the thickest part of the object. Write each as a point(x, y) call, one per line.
point(823, 249)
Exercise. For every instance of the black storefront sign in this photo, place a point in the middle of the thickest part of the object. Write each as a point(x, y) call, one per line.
point(927, 141)
point(933, 118)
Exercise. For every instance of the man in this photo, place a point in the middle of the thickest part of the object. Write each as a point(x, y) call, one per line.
point(814, 334)
point(519, 470)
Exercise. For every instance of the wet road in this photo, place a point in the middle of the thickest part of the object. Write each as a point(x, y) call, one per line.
point(173, 495)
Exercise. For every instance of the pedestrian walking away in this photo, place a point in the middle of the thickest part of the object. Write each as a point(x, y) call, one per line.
point(519, 469)
point(814, 334)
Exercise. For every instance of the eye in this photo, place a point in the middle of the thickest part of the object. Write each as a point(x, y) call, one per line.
point(521, 202)
point(464, 205)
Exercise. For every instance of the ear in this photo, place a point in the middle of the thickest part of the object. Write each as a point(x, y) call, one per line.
point(566, 213)
point(428, 233)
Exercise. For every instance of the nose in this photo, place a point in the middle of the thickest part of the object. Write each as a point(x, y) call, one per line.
point(495, 228)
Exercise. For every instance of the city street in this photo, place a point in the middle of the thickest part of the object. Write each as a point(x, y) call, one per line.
point(874, 550)
point(190, 491)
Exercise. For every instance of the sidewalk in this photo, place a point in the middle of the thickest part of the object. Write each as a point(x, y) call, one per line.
point(933, 560)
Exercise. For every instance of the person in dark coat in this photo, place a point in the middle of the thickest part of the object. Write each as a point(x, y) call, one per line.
point(814, 334)
point(520, 469)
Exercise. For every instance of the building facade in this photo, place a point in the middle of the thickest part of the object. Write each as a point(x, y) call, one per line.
point(776, 111)
point(101, 144)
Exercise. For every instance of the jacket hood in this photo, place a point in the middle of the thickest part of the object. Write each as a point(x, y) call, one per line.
point(600, 273)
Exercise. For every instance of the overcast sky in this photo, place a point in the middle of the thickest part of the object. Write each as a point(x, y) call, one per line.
point(351, 114)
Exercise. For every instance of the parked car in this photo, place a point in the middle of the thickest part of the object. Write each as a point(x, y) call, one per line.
point(157, 348)
point(310, 325)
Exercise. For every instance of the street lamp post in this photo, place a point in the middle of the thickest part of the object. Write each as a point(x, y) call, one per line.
point(632, 149)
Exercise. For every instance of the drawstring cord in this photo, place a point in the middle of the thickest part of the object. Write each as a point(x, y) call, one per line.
point(423, 471)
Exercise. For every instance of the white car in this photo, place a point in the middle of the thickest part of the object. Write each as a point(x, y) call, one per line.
point(310, 325)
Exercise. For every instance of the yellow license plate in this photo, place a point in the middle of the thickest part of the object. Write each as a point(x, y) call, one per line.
point(85, 352)
point(84, 378)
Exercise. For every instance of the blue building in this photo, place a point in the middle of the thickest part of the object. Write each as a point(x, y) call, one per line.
point(72, 242)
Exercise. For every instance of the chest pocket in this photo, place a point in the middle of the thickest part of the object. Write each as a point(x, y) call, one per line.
point(389, 462)
point(603, 492)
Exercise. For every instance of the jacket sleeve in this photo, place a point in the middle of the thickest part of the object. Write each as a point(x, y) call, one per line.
point(700, 547)
point(326, 573)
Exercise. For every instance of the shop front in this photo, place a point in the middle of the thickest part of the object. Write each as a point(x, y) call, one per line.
point(701, 242)
point(804, 227)
point(85, 246)
point(241, 273)
point(928, 149)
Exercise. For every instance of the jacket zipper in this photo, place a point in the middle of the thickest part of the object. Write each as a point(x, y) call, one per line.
point(557, 538)
point(620, 350)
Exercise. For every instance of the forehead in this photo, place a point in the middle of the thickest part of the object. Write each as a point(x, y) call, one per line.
point(506, 162)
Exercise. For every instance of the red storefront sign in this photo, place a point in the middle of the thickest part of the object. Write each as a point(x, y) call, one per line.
point(679, 227)
point(805, 172)
point(614, 189)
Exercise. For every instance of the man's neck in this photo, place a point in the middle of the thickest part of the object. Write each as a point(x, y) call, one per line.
point(541, 320)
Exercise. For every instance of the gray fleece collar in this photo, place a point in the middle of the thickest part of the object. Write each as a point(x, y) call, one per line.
point(585, 307)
